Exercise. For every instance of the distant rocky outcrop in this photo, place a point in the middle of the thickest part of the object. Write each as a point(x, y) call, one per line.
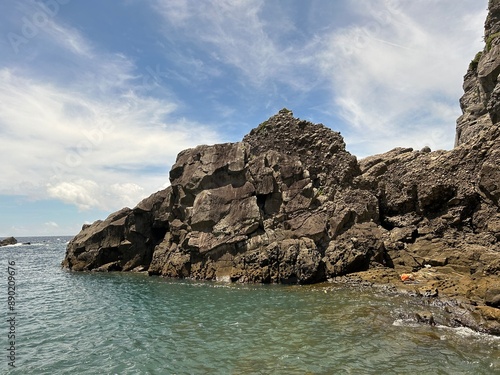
point(8, 241)
point(289, 204)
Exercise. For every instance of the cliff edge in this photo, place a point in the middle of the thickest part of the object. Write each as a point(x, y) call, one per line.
point(289, 204)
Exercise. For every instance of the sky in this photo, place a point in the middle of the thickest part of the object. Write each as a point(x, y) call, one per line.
point(98, 97)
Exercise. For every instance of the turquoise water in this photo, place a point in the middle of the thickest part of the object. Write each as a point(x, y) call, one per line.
point(89, 323)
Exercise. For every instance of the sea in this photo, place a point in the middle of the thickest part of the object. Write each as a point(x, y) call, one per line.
point(61, 322)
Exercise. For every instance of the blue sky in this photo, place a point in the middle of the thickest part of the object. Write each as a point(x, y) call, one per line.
point(98, 97)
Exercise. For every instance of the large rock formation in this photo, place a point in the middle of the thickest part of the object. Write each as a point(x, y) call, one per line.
point(262, 210)
point(257, 209)
point(289, 204)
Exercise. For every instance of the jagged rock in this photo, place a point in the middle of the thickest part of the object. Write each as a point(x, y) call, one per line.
point(231, 207)
point(352, 206)
point(320, 150)
point(289, 204)
point(355, 250)
point(277, 198)
point(8, 241)
point(126, 238)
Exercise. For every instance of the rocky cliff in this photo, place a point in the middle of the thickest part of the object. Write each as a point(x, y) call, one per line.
point(481, 101)
point(289, 204)
point(262, 210)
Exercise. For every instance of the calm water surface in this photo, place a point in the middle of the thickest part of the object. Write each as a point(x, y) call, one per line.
point(89, 323)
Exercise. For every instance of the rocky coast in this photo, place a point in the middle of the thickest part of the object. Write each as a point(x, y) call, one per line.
point(289, 204)
point(8, 241)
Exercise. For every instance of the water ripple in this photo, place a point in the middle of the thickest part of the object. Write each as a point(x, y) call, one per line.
point(87, 323)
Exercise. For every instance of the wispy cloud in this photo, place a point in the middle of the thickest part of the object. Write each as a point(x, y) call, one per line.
point(397, 79)
point(393, 75)
point(80, 148)
point(51, 224)
point(239, 34)
point(91, 134)
point(69, 39)
point(32, 22)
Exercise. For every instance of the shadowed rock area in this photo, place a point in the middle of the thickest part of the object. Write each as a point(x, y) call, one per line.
point(289, 204)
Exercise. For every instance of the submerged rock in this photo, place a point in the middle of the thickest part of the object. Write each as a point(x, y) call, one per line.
point(289, 204)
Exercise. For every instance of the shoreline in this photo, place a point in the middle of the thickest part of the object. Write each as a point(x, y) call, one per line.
point(458, 309)
point(458, 298)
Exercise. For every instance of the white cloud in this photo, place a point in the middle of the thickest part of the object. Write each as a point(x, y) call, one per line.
point(33, 24)
point(241, 35)
point(69, 39)
point(394, 74)
point(82, 148)
point(51, 224)
point(82, 193)
point(128, 193)
point(87, 194)
point(91, 134)
point(397, 78)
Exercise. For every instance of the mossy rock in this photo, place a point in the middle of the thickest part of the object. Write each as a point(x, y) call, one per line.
point(262, 127)
point(475, 62)
point(490, 39)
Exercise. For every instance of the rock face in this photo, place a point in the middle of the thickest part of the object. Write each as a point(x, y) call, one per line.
point(289, 204)
point(8, 241)
point(124, 241)
point(262, 210)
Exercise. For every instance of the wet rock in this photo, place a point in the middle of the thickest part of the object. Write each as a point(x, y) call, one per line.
point(486, 319)
point(492, 297)
point(425, 317)
point(8, 241)
point(109, 267)
point(428, 292)
point(355, 250)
